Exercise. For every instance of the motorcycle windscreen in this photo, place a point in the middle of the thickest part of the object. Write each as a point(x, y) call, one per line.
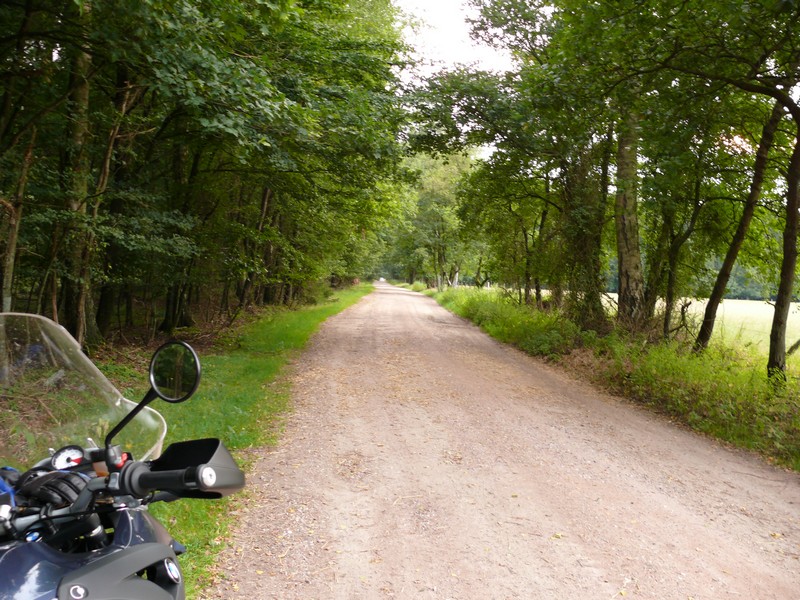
point(52, 395)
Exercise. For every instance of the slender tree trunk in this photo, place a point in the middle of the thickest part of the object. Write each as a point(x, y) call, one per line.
point(657, 264)
point(528, 275)
point(759, 169)
point(776, 364)
point(108, 298)
point(540, 243)
point(15, 221)
point(584, 216)
point(670, 292)
point(77, 281)
point(631, 279)
point(246, 295)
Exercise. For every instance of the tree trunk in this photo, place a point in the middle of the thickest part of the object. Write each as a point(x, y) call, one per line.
point(656, 264)
point(776, 364)
point(631, 279)
point(759, 168)
point(15, 221)
point(246, 296)
point(77, 281)
point(107, 304)
point(170, 320)
point(528, 275)
point(108, 299)
point(673, 254)
point(584, 212)
point(539, 243)
point(177, 308)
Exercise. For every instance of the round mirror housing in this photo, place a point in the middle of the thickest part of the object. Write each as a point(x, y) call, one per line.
point(175, 371)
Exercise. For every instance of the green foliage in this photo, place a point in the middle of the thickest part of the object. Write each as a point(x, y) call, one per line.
point(417, 286)
point(540, 333)
point(240, 152)
point(665, 103)
point(721, 392)
point(428, 241)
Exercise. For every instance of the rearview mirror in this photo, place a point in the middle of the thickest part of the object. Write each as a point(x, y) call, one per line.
point(175, 371)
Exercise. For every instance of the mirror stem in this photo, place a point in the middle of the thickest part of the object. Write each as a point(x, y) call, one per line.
point(148, 398)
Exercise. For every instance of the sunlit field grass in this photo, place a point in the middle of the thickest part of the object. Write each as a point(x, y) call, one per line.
point(748, 322)
point(742, 324)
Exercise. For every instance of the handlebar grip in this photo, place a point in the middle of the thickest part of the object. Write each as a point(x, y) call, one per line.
point(138, 480)
point(177, 479)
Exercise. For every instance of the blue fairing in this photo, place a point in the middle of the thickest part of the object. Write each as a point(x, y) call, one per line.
point(33, 570)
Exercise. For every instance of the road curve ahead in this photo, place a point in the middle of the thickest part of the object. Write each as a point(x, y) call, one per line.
point(425, 460)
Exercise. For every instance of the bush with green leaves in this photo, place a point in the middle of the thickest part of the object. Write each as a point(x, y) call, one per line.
point(540, 333)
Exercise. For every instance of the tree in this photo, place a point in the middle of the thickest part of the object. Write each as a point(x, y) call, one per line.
point(753, 49)
point(507, 202)
point(623, 60)
point(759, 170)
point(195, 153)
point(433, 242)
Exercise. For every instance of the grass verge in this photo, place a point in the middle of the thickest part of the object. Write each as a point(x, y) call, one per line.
point(536, 332)
point(241, 398)
point(417, 286)
point(722, 392)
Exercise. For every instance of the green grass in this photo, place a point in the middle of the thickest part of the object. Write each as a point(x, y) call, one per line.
point(536, 332)
point(723, 392)
point(748, 322)
point(242, 397)
point(417, 286)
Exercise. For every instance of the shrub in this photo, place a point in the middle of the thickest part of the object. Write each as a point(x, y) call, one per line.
point(541, 333)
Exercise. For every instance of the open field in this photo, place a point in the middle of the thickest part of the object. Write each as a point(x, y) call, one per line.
point(747, 322)
point(742, 323)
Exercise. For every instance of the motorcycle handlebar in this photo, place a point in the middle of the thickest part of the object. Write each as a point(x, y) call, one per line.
point(138, 480)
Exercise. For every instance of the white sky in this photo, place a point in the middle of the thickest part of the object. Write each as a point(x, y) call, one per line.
point(443, 36)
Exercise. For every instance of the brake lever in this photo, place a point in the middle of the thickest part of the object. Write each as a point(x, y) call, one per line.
point(86, 495)
point(163, 497)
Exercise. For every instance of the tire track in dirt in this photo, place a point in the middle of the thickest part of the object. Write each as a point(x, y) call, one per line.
point(425, 460)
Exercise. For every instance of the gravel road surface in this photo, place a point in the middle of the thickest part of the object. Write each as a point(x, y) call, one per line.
point(424, 460)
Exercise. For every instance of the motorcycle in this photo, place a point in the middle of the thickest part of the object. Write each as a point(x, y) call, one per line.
point(76, 524)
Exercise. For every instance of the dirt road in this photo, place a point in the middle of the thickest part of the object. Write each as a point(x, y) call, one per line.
point(424, 460)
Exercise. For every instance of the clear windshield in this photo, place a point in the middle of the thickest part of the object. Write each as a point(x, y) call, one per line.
point(51, 395)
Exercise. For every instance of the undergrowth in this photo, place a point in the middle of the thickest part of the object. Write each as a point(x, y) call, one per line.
point(538, 333)
point(417, 286)
point(722, 392)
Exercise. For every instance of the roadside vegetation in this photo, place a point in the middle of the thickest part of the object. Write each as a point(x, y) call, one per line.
point(651, 152)
point(242, 398)
point(721, 391)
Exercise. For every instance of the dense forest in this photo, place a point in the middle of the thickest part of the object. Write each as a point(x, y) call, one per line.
point(163, 161)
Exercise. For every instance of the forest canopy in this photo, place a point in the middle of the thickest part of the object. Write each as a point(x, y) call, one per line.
point(160, 158)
